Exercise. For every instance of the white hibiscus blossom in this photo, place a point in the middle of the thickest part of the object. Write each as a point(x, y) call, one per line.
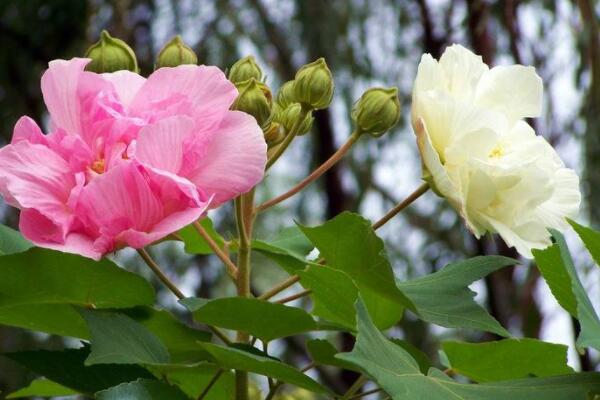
point(479, 153)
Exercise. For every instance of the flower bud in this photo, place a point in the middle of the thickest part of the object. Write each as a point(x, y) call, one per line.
point(175, 53)
point(254, 98)
point(286, 95)
point(377, 111)
point(110, 54)
point(313, 85)
point(289, 116)
point(244, 69)
point(274, 134)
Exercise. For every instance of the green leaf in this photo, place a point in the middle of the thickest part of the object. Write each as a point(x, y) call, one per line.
point(323, 352)
point(12, 241)
point(289, 250)
point(234, 358)
point(67, 368)
point(590, 238)
point(421, 358)
point(550, 264)
point(42, 387)
point(349, 244)
point(444, 298)
point(333, 294)
point(259, 318)
point(507, 359)
point(558, 258)
point(180, 340)
point(194, 243)
point(193, 379)
point(38, 286)
point(142, 389)
point(398, 374)
point(118, 339)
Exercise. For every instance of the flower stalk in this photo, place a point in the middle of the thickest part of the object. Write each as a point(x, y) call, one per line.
point(244, 205)
point(316, 174)
point(232, 270)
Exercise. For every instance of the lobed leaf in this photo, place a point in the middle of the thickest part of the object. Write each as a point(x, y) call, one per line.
point(399, 375)
point(349, 244)
point(507, 359)
point(444, 298)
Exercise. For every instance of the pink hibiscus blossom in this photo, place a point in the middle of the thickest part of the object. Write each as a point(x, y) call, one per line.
point(128, 160)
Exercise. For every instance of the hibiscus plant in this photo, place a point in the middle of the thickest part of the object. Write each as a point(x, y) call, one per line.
point(129, 161)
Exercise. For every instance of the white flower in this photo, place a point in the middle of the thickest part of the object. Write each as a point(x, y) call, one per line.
point(479, 153)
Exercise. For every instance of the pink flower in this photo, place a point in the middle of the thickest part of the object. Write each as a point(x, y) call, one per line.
point(128, 160)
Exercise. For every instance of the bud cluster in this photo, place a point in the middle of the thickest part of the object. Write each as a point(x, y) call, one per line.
point(377, 111)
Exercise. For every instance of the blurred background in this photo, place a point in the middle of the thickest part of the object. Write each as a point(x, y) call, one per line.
point(366, 43)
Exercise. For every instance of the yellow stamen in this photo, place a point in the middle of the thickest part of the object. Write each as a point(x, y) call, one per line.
point(497, 152)
point(99, 166)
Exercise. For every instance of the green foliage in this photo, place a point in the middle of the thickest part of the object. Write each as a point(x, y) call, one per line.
point(260, 318)
point(289, 249)
point(443, 298)
point(118, 339)
point(12, 241)
point(180, 339)
point(507, 359)
point(333, 294)
point(194, 379)
point(67, 368)
point(142, 389)
point(194, 244)
point(399, 375)
point(323, 352)
point(558, 258)
point(38, 288)
point(252, 361)
point(590, 238)
point(42, 387)
point(349, 244)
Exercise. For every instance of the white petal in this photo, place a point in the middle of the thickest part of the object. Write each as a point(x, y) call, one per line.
point(463, 70)
point(514, 90)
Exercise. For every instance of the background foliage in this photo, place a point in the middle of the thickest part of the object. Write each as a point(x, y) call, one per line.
point(366, 43)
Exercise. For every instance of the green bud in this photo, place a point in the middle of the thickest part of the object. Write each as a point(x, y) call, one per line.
point(110, 54)
point(286, 94)
point(254, 98)
point(289, 116)
point(175, 53)
point(274, 134)
point(313, 85)
point(244, 69)
point(377, 111)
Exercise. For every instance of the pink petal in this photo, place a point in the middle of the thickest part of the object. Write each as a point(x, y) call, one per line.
point(233, 161)
point(126, 83)
point(26, 129)
point(43, 232)
point(205, 88)
point(59, 87)
point(133, 206)
point(163, 145)
point(33, 176)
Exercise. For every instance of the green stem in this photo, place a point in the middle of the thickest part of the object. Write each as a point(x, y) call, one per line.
point(243, 207)
point(316, 174)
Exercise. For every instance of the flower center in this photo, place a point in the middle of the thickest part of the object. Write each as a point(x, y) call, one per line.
point(99, 166)
point(496, 152)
